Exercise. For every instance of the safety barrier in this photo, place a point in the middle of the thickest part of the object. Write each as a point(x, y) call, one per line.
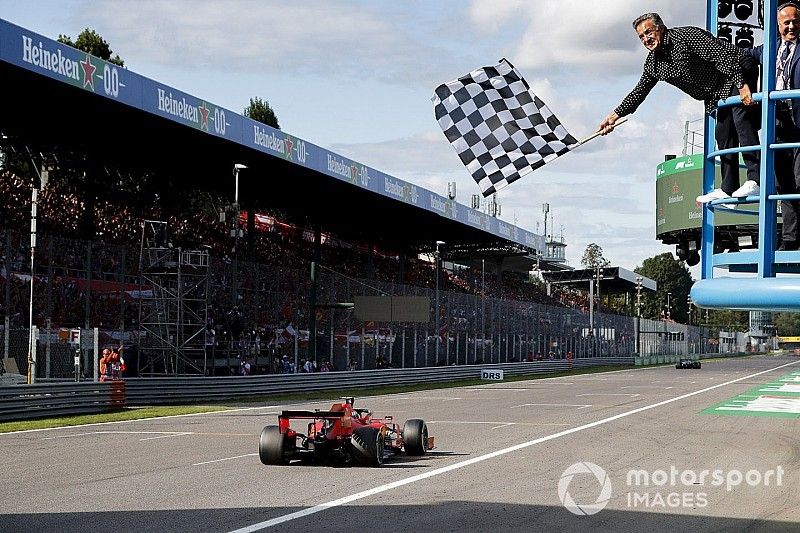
point(20, 402)
point(41, 400)
point(672, 359)
point(198, 389)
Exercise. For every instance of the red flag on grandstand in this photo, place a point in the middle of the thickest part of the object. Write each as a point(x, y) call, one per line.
point(287, 309)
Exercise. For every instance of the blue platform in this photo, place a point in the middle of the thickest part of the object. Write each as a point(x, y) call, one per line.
point(762, 290)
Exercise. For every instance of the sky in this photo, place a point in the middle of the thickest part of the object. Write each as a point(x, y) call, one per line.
point(356, 77)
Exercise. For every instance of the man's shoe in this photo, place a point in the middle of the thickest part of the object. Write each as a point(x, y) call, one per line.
point(750, 188)
point(716, 194)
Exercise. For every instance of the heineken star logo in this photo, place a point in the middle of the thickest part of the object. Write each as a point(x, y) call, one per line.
point(354, 172)
point(88, 72)
point(675, 188)
point(289, 145)
point(204, 111)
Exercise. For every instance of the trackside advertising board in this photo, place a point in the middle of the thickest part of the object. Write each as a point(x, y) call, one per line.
point(678, 182)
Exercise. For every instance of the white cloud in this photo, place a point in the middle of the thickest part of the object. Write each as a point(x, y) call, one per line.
point(593, 38)
point(311, 37)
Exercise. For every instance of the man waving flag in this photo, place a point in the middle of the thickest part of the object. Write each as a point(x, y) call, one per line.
point(500, 129)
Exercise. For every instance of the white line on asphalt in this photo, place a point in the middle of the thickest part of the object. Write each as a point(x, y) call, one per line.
point(496, 422)
point(168, 436)
point(462, 422)
point(609, 394)
point(167, 433)
point(503, 425)
point(455, 466)
point(516, 389)
point(226, 459)
point(578, 405)
point(645, 387)
point(74, 435)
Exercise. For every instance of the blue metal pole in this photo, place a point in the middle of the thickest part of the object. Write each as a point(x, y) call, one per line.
point(766, 208)
point(709, 168)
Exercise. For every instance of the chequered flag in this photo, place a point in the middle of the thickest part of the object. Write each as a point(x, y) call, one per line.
point(500, 129)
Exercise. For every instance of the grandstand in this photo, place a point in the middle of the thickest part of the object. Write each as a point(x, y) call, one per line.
point(285, 226)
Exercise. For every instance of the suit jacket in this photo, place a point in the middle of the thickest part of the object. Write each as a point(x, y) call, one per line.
point(794, 75)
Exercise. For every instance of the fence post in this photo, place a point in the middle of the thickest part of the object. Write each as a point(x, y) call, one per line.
point(34, 334)
point(7, 337)
point(96, 338)
point(426, 346)
point(363, 347)
point(47, 351)
point(403, 350)
point(415, 346)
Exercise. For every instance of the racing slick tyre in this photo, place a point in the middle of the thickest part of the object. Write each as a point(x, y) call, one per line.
point(271, 446)
point(678, 366)
point(415, 437)
point(367, 445)
point(696, 364)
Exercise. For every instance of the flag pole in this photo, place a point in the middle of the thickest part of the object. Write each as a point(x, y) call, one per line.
point(597, 133)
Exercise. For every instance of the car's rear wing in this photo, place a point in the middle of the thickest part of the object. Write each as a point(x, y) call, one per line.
point(326, 415)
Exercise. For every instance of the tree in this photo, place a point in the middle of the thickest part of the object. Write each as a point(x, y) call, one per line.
point(261, 111)
point(593, 256)
point(673, 278)
point(787, 324)
point(91, 42)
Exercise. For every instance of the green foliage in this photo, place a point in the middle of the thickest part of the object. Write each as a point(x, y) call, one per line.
point(261, 111)
point(593, 256)
point(788, 324)
point(91, 42)
point(672, 276)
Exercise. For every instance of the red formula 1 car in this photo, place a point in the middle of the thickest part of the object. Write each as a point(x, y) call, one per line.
point(343, 433)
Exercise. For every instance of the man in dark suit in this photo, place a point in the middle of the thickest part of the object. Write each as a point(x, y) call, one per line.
point(787, 119)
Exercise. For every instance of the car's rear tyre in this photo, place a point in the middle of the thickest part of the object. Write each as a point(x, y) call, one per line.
point(272, 446)
point(696, 365)
point(415, 437)
point(367, 443)
point(678, 366)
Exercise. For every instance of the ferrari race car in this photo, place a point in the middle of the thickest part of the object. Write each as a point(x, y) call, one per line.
point(343, 433)
point(687, 363)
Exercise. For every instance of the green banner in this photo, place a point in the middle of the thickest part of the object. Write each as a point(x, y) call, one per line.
point(678, 182)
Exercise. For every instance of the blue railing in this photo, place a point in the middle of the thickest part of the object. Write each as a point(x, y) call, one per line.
point(766, 290)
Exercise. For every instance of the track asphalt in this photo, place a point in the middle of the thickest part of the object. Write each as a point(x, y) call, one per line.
point(652, 449)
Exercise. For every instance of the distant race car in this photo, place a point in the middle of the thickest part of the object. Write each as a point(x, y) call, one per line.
point(343, 433)
point(687, 363)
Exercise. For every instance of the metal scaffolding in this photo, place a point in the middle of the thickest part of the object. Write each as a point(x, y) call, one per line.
point(173, 304)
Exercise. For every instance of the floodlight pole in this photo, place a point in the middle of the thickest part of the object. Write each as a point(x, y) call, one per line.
point(436, 316)
point(669, 310)
point(43, 177)
point(639, 280)
point(31, 335)
point(236, 168)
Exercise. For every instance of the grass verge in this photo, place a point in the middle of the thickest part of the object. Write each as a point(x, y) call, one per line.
point(138, 413)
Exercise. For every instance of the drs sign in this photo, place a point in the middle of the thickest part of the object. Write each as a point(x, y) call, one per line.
point(495, 375)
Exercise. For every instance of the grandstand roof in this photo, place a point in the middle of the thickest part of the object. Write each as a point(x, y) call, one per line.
point(59, 97)
point(612, 279)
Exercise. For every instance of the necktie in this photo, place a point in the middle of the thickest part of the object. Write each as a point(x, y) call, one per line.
point(781, 70)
